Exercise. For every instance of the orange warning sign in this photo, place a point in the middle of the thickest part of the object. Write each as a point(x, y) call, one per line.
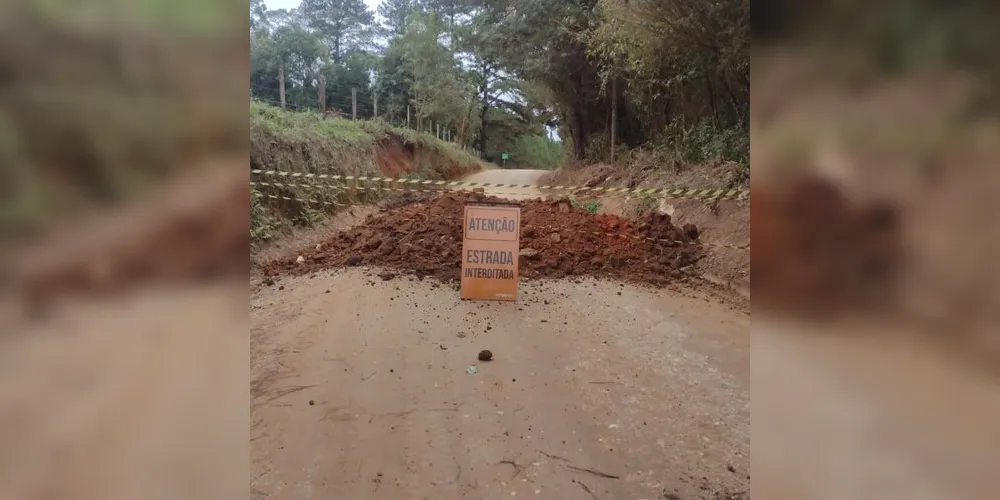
point(491, 237)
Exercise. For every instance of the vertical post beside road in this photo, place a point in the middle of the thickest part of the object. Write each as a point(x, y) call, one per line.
point(354, 103)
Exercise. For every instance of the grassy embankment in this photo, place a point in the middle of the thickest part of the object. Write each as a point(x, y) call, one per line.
point(308, 142)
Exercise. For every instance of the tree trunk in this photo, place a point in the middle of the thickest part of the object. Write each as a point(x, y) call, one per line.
point(614, 117)
point(483, 110)
point(321, 92)
point(579, 136)
point(482, 129)
point(281, 82)
point(464, 128)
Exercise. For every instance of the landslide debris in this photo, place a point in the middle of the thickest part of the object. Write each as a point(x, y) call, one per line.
point(557, 240)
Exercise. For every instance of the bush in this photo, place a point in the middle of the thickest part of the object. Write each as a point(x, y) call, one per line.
point(703, 142)
point(536, 151)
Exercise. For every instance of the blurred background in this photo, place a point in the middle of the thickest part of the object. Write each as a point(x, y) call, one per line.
point(123, 146)
point(876, 332)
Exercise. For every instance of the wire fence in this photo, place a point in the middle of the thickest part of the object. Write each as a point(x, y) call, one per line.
point(364, 110)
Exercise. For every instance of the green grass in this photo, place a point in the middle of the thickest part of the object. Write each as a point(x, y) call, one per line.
point(591, 206)
point(307, 142)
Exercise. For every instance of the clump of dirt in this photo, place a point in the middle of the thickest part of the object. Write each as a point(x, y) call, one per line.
point(814, 251)
point(723, 225)
point(557, 240)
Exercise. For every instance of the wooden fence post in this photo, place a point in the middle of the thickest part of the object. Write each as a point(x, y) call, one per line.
point(354, 103)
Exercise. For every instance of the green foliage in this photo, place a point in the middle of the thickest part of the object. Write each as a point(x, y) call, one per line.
point(434, 80)
point(659, 60)
point(263, 226)
point(537, 152)
point(345, 25)
point(310, 143)
point(591, 206)
point(395, 13)
point(704, 142)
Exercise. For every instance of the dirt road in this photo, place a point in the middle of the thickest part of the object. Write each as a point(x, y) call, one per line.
point(511, 176)
point(365, 387)
point(646, 386)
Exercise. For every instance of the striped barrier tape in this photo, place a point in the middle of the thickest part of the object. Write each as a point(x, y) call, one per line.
point(554, 228)
point(669, 192)
point(376, 188)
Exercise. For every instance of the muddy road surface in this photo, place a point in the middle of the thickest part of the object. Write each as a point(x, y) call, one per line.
point(365, 383)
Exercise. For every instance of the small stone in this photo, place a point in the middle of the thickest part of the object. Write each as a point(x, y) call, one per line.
point(319, 247)
point(311, 402)
point(300, 260)
point(527, 252)
point(555, 237)
point(691, 231)
point(485, 355)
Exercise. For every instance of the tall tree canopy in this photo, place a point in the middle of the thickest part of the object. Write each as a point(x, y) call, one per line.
point(671, 73)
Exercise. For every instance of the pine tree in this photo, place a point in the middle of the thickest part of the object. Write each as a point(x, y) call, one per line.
point(395, 13)
point(345, 25)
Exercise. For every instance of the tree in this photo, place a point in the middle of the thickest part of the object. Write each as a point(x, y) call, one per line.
point(395, 13)
point(345, 25)
point(393, 82)
point(451, 11)
point(434, 75)
point(292, 56)
point(258, 15)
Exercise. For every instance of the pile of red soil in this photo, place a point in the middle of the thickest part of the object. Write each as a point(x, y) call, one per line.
point(557, 240)
point(815, 251)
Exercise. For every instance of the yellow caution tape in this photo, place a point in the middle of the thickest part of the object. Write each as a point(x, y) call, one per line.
point(373, 188)
point(668, 192)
